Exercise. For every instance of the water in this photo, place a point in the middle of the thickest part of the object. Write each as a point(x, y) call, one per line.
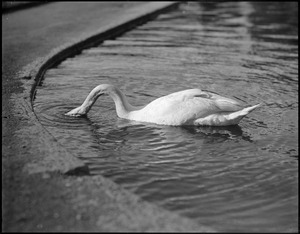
point(238, 178)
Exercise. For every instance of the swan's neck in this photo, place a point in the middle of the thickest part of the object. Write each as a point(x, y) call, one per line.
point(123, 107)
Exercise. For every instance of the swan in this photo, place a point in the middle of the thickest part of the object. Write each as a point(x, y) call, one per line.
point(187, 107)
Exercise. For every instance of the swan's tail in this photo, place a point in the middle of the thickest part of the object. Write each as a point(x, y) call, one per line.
point(225, 118)
point(238, 115)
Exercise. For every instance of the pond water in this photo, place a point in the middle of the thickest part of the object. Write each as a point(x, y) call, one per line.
point(237, 178)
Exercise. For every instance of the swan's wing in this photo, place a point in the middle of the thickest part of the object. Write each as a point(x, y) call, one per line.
point(185, 95)
point(183, 103)
point(185, 106)
point(224, 103)
point(198, 96)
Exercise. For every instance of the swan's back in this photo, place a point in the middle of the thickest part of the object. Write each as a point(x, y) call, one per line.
point(184, 107)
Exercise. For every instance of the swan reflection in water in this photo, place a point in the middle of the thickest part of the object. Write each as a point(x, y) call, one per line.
point(147, 136)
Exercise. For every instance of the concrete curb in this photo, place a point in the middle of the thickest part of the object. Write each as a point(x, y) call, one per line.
point(11, 6)
point(59, 159)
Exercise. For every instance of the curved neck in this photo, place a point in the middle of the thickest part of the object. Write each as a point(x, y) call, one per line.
point(123, 107)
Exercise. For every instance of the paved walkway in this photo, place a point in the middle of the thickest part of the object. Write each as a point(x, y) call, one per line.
point(38, 195)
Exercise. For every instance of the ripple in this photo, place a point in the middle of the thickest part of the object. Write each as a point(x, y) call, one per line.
point(235, 178)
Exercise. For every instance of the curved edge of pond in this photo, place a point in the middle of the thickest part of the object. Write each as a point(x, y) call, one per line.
point(32, 74)
point(51, 158)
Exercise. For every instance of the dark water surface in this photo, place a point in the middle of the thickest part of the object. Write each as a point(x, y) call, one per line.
point(238, 178)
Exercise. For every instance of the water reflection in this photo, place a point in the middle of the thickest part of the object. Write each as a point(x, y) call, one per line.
point(150, 137)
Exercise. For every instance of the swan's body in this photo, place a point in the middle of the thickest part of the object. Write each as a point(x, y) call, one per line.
point(187, 107)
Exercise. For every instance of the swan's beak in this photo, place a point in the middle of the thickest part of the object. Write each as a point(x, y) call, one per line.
point(79, 111)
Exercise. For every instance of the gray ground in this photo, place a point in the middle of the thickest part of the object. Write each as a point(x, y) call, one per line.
point(44, 187)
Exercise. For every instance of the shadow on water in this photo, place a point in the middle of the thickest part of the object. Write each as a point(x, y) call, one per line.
point(225, 132)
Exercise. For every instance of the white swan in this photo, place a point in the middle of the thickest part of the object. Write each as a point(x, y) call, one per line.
point(187, 107)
